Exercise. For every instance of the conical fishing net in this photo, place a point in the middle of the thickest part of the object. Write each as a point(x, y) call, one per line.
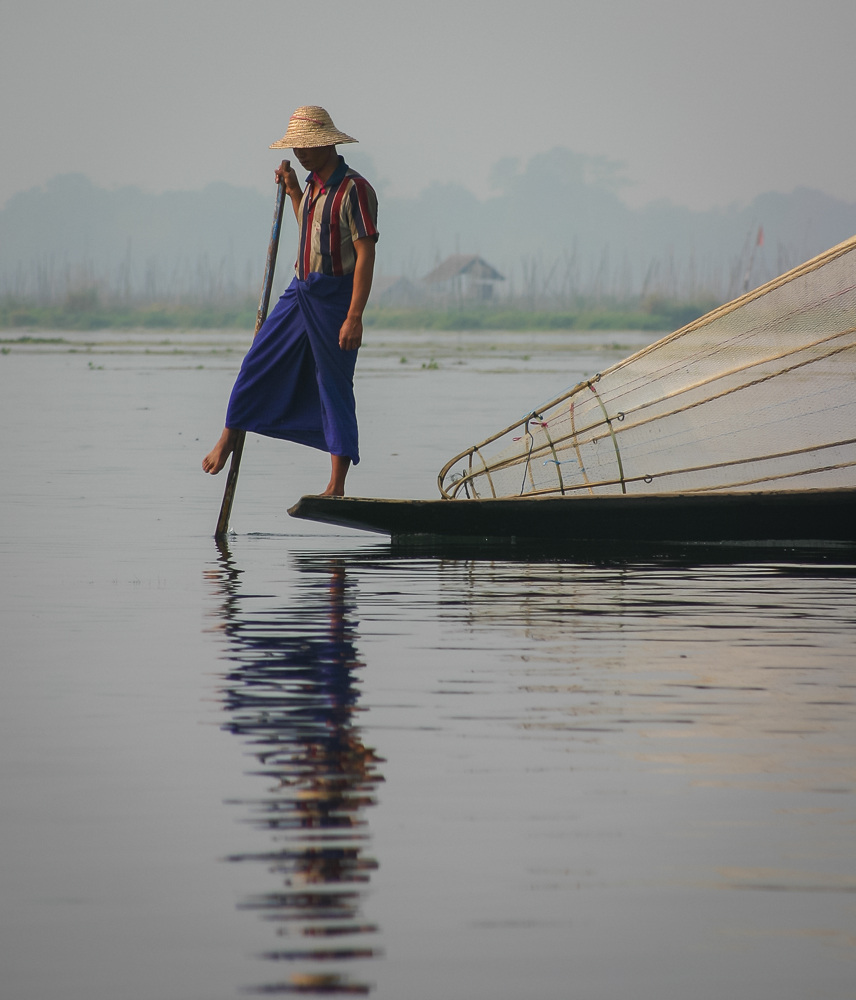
point(758, 395)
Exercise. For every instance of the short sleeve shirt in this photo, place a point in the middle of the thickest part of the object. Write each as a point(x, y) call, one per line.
point(344, 210)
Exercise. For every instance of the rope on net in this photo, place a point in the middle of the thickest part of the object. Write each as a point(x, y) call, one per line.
point(611, 432)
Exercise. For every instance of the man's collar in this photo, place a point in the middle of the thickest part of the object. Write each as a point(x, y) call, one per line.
point(335, 178)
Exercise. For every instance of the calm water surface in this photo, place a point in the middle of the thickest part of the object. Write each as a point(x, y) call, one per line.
point(309, 763)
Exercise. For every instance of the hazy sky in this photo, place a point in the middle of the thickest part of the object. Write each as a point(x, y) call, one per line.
point(705, 102)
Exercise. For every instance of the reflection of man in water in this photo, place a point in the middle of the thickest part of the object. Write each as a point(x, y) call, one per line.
point(340, 772)
point(297, 380)
point(291, 695)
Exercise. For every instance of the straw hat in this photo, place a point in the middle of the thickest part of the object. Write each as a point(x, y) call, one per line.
point(311, 126)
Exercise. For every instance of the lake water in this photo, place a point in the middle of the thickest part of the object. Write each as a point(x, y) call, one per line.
point(307, 762)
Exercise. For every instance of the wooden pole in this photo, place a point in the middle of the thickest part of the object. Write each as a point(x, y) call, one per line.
point(261, 316)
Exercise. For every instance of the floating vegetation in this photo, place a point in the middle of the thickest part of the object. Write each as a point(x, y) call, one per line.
point(588, 314)
point(33, 340)
point(89, 312)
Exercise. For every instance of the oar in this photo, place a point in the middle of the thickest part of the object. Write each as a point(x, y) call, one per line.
point(261, 316)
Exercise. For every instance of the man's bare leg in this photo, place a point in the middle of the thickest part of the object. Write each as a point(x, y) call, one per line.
point(339, 469)
point(216, 458)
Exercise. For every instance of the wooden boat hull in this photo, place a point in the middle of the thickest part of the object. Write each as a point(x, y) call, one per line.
point(805, 517)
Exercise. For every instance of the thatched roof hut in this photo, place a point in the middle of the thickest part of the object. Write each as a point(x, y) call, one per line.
point(464, 276)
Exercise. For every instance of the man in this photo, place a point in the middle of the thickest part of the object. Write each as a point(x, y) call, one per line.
point(297, 380)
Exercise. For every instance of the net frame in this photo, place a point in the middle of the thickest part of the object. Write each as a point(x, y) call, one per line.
point(545, 437)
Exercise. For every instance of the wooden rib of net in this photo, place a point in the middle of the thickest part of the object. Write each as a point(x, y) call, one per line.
point(758, 394)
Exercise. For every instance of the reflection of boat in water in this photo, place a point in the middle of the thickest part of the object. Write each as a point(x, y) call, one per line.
point(291, 696)
point(739, 427)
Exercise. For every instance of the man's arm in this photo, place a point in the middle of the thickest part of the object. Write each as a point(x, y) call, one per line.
point(285, 175)
point(351, 334)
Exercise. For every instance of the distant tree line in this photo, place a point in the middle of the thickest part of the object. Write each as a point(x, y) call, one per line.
point(91, 254)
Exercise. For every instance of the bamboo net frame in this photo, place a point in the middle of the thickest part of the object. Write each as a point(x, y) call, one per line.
point(758, 393)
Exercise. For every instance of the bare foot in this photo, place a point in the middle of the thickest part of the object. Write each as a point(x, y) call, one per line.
point(339, 469)
point(216, 458)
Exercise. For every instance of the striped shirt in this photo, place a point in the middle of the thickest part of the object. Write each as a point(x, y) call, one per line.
point(344, 210)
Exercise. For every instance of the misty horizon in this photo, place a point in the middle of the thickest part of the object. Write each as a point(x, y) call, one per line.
point(69, 234)
point(701, 124)
point(596, 169)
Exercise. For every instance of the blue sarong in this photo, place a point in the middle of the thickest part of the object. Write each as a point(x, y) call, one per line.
point(295, 382)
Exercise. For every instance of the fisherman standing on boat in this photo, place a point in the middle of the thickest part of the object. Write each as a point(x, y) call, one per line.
point(297, 380)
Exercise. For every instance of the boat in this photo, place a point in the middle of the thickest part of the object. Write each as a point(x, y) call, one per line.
point(787, 518)
point(738, 428)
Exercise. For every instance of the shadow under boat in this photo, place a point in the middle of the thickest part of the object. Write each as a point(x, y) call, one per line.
point(799, 521)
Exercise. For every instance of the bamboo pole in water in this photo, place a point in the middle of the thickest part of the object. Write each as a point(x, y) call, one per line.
point(261, 316)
